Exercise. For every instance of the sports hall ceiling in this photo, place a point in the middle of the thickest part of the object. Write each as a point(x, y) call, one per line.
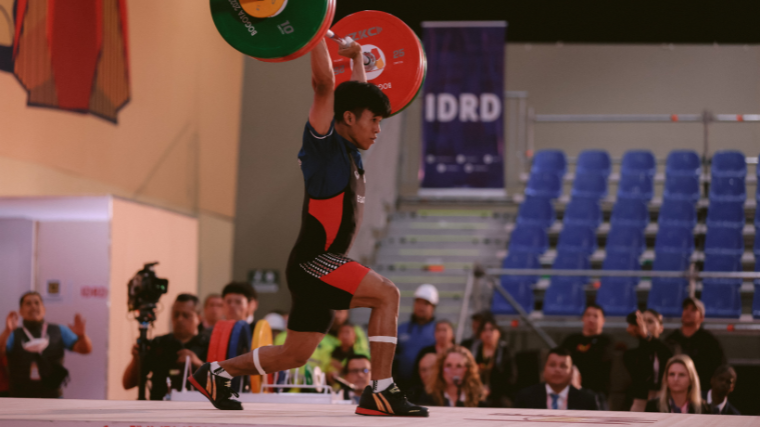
point(589, 21)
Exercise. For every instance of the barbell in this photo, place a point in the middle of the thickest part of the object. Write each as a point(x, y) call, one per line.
point(283, 30)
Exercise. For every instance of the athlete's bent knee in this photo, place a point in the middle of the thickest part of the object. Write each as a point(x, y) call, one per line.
point(391, 294)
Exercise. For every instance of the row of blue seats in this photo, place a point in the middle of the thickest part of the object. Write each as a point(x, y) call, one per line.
point(674, 243)
point(682, 169)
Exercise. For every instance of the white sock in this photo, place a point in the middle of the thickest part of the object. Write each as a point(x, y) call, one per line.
point(381, 385)
point(218, 370)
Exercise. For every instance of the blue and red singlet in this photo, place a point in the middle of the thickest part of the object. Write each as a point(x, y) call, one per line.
point(320, 276)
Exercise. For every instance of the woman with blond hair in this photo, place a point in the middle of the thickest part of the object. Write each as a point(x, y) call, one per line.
point(457, 382)
point(680, 393)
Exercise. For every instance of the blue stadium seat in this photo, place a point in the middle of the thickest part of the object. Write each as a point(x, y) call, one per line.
point(727, 189)
point(595, 162)
point(683, 163)
point(536, 211)
point(544, 184)
point(623, 240)
point(724, 241)
point(630, 213)
point(726, 214)
point(520, 287)
point(636, 186)
point(530, 239)
point(677, 213)
point(722, 296)
point(638, 161)
point(584, 212)
point(617, 295)
point(553, 161)
point(681, 187)
point(589, 185)
point(728, 164)
point(678, 240)
point(757, 213)
point(667, 293)
point(565, 295)
point(756, 297)
point(577, 239)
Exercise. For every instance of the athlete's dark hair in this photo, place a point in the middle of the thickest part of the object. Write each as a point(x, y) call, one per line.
point(356, 97)
point(188, 297)
point(26, 294)
point(242, 288)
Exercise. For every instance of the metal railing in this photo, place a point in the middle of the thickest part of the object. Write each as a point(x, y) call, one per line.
point(476, 299)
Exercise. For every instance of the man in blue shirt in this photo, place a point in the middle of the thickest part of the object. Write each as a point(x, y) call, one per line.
point(321, 278)
point(35, 349)
point(417, 333)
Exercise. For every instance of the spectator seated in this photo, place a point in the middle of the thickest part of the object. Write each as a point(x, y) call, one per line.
point(536, 211)
point(638, 161)
point(582, 211)
point(594, 162)
point(520, 287)
point(530, 239)
point(552, 161)
point(630, 213)
point(544, 184)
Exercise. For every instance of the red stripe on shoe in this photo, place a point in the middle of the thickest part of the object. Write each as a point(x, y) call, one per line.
point(365, 411)
point(198, 387)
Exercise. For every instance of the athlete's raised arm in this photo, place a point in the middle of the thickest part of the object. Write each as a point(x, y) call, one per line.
point(323, 82)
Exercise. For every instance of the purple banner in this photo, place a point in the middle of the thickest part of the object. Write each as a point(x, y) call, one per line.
point(463, 112)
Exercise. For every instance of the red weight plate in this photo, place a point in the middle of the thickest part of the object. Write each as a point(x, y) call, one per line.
point(399, 68)
point(220, 338)
point(329, 16)
point(423, 75)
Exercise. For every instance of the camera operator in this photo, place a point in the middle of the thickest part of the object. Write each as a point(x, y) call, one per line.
point(35, 349)
point(167, 353)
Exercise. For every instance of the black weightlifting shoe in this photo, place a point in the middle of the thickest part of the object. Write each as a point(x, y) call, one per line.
point(216, 389)
point(388, 403)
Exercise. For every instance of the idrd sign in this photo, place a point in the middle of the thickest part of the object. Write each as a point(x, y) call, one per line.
point(469, 107)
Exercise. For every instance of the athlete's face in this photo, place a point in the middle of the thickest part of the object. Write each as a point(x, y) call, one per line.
point(364, 128)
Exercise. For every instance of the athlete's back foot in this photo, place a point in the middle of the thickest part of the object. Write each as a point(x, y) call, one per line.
point(216, 388)
point(388, 403)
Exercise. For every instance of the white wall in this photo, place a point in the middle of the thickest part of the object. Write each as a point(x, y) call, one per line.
point(16, 262)
point(77, 255)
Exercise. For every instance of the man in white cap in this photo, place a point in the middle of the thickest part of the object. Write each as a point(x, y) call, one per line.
point(415, 334)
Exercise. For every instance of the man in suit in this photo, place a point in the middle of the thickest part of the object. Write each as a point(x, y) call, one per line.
point(722, 384)
point(556, 392)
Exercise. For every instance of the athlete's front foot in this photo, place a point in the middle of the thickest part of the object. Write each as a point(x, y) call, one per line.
point(390, 402)
point(216, 388)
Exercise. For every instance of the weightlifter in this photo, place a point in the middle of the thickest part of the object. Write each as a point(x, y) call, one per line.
point(321, 278)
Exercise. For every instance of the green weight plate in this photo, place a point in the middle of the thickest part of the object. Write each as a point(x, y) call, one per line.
point(270, 38)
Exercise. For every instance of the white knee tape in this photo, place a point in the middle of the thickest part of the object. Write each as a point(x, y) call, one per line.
point(257, 362)
point(390, 340)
